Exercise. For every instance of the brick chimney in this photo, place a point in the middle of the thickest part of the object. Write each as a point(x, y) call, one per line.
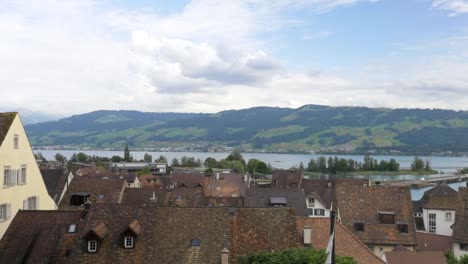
point(225, 256)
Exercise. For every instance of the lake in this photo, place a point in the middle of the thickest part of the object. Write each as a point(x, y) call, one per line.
point(280, 161)
point(284, 161)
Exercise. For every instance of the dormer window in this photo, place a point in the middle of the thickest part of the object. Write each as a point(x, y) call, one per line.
point(92, 246)
point(387, 217)
point(403, 228)
point(359, 227)
point(128, 242)
point(195, 242)
point(278, 201)
point(311, 202)
point(72, 228)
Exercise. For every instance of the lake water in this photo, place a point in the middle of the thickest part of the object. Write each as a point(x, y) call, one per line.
point(284, 161)
point(280, 161)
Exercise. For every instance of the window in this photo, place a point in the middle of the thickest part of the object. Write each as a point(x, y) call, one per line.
point(311, 202)
point(403, 228)
point(128, 242)
point(195, 242)
point(32, 203)
point(432, 223)
point(418, 214)
point(311, 212)
point(16, 141)
point(9, 176)
point(78, 199)
point(319, 212)
point(72, 228)
point(387, 218)
point(5, 210)
point(22, 175)
point(464, 247)
point(359, 227)
point(448, 217)
point(92, 246)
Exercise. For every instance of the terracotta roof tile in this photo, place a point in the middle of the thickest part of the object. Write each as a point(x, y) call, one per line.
point(460, 228)
point(164, 197)
point(427, 257)
point(364, 204)
point(346, 243)
point(432, 242)
point(38, 236)
point(287, 178)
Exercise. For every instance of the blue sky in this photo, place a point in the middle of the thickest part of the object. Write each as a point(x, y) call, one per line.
point(208, 56)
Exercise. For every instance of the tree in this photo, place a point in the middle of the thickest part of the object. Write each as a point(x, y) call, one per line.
point(60, 158)
point(127, 156)
point(236, 155)
point(147, 157)
point(82, 157)
point(116, 158)
point(418, 164)
point(145, 170)
point(39, 156)
point(175, 163)
point(210, 162)
point(312, 166)
point(161, 159)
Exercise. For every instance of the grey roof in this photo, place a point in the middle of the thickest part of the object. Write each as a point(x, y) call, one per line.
point(55, 181)
point(261, 198)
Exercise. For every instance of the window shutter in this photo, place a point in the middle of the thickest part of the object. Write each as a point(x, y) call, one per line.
point(25, 204)
point(13, 177)
point(24, 176)
point(8, 211)
point(37, 202)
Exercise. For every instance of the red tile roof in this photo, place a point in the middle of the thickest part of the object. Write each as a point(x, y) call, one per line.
point(346, 244)
point(432, 242)
point(426, 257)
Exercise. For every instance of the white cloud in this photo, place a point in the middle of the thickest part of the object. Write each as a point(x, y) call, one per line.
point(64, 57)
point(456, 7)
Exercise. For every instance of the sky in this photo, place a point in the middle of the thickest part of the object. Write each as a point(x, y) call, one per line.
point(59, 58)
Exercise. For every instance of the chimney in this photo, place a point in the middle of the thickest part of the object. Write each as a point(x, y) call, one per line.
point(154, 199)
point(217, 176)
point(329, 184)
point(225, 256)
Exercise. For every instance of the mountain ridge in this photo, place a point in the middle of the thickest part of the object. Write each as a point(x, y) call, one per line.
point(317, 128)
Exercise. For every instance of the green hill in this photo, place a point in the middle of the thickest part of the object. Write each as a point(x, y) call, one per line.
point(311, 127)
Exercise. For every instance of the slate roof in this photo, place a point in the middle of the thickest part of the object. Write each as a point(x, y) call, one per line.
point(346, 244)
point(260, 198)
point(6, 119)
point(102, 190)
point(165, 237)
point(362, 204)
point(164, 197)
point(432, 242)
point(441, 197)
point(55, 181)
point(260, 229)
point(189, 180)
point(287, 178)
point(223, 201)
point(427, 257)
point(38, 236)
point(460, 228)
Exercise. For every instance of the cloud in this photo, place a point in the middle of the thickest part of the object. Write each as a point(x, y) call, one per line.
point(456, 7)
point(68, 57)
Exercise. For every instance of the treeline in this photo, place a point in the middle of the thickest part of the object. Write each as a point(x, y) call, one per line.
point(236, 163)
point(334, 164)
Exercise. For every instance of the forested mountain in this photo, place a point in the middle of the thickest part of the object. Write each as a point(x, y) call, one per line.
point(311, 127)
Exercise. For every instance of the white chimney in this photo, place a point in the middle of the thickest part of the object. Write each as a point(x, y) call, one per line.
point(225, 256)
point(217, 176)
point(307, 233)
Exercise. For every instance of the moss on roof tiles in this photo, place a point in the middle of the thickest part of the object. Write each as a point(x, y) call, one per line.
point(6, 119)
